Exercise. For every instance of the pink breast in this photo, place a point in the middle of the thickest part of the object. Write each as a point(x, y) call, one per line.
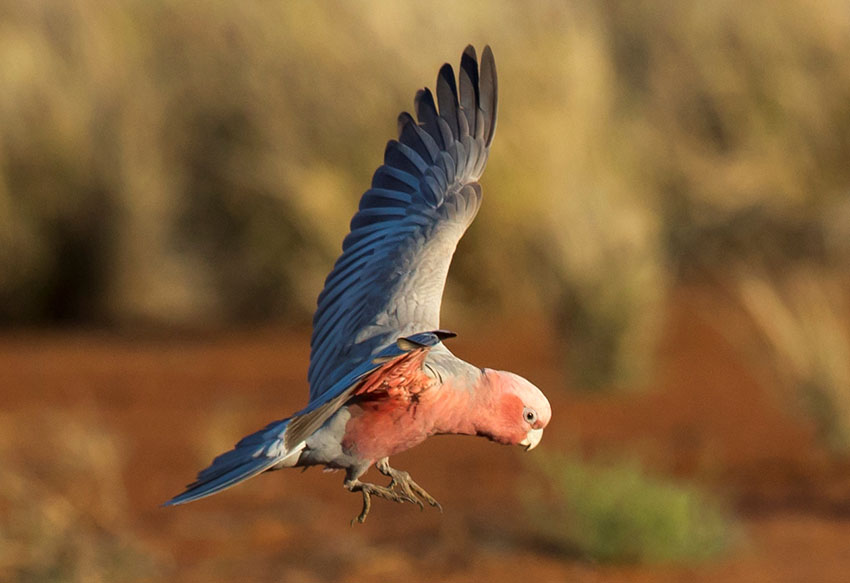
point(381, 428)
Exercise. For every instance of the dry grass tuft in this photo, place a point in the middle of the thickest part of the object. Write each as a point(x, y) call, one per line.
point(801, 319)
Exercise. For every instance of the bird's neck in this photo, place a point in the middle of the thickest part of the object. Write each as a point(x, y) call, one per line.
point(467, 406)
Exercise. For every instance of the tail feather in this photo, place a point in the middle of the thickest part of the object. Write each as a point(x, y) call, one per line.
point(253, 455)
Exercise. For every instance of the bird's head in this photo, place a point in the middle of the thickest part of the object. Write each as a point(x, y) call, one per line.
point(521, 410)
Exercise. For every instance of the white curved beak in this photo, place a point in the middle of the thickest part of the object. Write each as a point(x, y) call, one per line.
point(532, 439)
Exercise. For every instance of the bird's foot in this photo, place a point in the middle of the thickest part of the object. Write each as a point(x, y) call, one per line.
point(400, 480)
point(370, 490)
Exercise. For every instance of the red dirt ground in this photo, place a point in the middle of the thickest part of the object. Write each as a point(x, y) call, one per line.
point(175, 402)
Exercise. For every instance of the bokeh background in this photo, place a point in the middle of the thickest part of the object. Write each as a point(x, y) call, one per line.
point(663, 247)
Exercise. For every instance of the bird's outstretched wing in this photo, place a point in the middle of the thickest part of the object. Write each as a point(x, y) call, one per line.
point(388, 282)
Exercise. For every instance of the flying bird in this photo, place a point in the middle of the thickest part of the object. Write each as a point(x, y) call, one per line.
point(381, 379)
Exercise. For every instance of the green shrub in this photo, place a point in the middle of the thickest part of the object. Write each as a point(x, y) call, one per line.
point(616, 512)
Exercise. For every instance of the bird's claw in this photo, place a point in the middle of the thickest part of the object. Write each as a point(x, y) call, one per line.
point(401, 488)
point(369, 490)
point(413, 490)
point(401, 480)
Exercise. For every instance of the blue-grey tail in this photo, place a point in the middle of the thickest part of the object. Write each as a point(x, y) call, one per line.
point(253, 455)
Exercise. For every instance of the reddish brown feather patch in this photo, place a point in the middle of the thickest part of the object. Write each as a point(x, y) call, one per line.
point(399, 380)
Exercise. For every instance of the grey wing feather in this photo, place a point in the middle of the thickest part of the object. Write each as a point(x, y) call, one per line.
point(389, 280)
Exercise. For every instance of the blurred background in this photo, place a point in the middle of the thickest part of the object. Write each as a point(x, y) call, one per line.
point(663, 248)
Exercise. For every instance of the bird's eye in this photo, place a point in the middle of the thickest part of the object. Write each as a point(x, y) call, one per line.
point(530, 415)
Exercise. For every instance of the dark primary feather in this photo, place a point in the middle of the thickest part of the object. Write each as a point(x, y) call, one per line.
point(447, 98)
point(469, 87)
point(489, 95)
point(389, 280)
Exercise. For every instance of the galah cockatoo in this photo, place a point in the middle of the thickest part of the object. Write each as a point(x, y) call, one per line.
point(381, 379)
